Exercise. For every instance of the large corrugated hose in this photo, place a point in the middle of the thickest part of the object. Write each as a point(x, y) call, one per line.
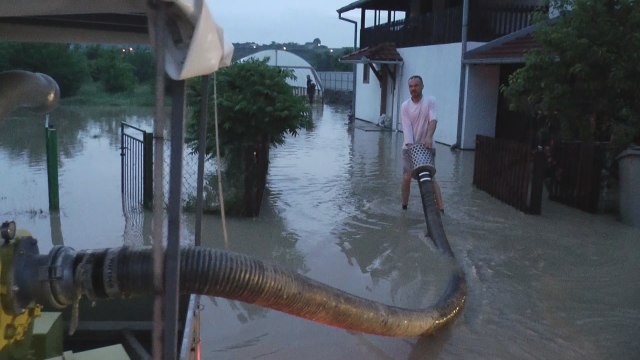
point(125, 272)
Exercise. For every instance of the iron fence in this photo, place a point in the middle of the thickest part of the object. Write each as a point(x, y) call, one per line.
point(336, 80)
point(136, 182)
point(136, 166)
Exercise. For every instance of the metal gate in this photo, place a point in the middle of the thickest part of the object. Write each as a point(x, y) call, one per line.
point(136, 160)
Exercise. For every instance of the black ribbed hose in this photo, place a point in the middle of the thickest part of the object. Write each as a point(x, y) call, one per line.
point(124, 272)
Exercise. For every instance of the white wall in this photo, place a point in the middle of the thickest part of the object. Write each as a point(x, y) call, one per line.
point(367, 97)
point(439, 67)
point(480, 103)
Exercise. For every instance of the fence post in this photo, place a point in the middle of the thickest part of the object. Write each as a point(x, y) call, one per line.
point(147, 171)
point(537, 180)
point(51, 137)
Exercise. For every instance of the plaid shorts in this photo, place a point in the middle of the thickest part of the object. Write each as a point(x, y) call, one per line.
point(407, 168)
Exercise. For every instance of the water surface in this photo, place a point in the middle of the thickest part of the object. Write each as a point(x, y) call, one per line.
point(563, 285)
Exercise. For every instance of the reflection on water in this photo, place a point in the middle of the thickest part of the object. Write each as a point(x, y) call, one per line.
point(557, 286)
point(564, 285)
point(90, 213)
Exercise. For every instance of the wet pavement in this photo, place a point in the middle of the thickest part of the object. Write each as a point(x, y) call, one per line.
point(562, 285)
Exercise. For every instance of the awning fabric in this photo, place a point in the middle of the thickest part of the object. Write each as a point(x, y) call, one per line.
point(195, 47)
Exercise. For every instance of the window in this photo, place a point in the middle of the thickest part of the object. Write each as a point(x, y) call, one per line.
point(365, 73)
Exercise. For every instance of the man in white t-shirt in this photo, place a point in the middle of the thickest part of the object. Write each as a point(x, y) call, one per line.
point(419, 123)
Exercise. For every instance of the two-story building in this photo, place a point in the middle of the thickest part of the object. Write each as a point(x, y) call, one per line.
point(463, 49)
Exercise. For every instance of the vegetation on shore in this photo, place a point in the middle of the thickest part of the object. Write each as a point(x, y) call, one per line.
point(256, 111)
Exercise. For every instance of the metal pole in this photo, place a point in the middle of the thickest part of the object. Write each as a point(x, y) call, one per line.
point(147, 170)
point(158, 178)
point(172, 255)
point(463, 70)
point(355, 66)
point(122, 154)
point(52, 165)
point(202, 148)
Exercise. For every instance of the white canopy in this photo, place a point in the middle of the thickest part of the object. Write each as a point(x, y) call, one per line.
point(288, 60)
point(195, 47)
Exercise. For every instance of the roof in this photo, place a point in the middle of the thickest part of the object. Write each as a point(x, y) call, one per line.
point(509, 49)
point(112, 21)
point(381, 53)
point(393, 5)
point(288, 60)
point(194, 44)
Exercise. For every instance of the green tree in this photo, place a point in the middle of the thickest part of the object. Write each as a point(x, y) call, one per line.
point(143, 62)
point(583, 81)
point(64, 63)
point(119, 77)
point(257, 110)
point(109, 67)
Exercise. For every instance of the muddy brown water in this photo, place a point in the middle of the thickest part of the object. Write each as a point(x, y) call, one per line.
point(563, 285)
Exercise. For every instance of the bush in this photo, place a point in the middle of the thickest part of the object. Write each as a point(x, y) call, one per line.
point(108, 67)
point(583, 81)
point(66, 64)
point(256, 110)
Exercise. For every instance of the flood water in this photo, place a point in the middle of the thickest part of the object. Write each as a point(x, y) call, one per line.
point(563, 285)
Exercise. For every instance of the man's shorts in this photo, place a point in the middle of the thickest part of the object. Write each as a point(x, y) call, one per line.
point(407, 168)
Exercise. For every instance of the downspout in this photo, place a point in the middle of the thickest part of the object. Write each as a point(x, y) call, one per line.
point(463, 72)
point(398, 84)
point(355, 66)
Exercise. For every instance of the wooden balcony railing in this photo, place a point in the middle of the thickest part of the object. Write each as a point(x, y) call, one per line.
point(485, 24)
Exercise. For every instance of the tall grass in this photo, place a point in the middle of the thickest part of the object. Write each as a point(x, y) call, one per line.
point(92, 94)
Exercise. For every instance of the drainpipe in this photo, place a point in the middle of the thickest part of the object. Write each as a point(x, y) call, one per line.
point(398, 97)
point(355, 66)
point(463, 72)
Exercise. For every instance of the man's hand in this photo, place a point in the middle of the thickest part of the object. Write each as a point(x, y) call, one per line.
point(428, 143)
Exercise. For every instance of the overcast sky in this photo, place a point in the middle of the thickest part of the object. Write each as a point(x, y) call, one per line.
point(298, 21)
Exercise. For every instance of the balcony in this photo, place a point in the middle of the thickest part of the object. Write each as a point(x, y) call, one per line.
point(444, 27)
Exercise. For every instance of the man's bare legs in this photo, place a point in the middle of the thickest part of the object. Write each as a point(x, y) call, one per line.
point(406, 187)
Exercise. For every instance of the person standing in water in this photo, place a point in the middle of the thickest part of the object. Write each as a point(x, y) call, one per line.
point(418, 114)
point(311, 89)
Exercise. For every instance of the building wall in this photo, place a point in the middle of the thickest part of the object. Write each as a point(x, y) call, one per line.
point(367, 97)
point(480, 103)
point(439, 67)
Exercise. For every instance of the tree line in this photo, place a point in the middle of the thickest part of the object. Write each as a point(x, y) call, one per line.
point(116, 68)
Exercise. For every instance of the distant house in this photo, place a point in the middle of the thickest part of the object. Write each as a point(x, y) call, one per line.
point(463, 55)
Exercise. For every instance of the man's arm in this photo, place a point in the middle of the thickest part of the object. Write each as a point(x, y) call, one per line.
point(431, 129)
point(407, 130)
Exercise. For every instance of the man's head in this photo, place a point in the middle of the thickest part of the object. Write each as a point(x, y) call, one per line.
point(415, 87)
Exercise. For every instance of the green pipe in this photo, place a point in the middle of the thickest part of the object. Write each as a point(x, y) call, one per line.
point(52, 167)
